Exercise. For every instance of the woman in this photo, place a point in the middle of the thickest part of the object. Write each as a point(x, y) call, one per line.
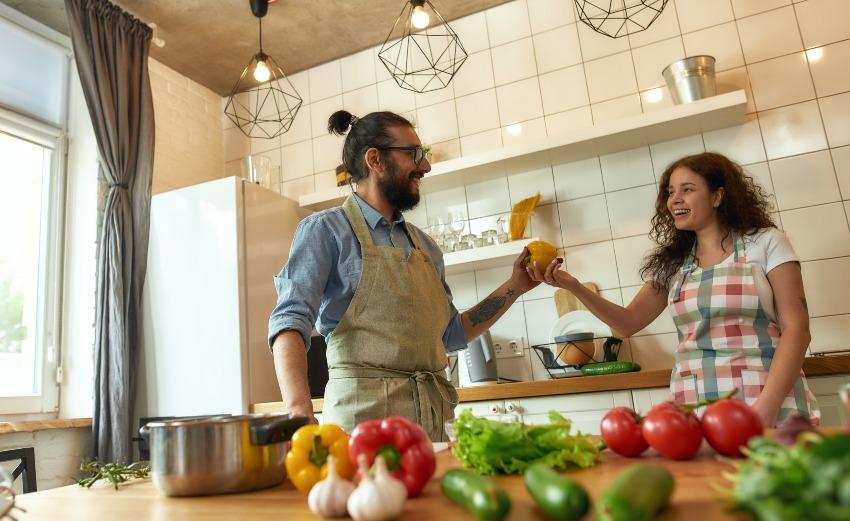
point(732, 283)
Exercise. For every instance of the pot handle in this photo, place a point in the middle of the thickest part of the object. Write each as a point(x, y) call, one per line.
point(275, 431)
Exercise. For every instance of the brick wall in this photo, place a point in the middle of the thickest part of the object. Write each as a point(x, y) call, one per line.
point(189, 135)
point(57, 454)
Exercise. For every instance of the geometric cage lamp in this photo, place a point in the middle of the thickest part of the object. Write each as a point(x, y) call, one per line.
point(263, 103)
point(421, 52)
point(617, 18)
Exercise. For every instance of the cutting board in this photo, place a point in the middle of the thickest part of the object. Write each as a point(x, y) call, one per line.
point(565, 301)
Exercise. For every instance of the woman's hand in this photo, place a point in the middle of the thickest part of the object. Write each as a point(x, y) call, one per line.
point(769, 414)
point(552, 274)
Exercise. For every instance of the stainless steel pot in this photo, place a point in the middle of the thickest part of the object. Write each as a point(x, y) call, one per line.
point(219, 455)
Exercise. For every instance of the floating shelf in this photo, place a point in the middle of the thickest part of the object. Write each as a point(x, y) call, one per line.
point(721, 111)
point(485, 257)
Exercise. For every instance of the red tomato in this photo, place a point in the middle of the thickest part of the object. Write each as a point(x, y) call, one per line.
point(621, 432)
point(673, 431)
point(729, 424)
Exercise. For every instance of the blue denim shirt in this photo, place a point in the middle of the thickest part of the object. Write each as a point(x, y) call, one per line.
point(324, 268)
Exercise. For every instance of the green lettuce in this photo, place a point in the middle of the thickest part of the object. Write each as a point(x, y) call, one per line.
point(493, 447)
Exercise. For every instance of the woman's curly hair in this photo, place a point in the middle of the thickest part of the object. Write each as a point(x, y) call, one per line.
point(744, 209)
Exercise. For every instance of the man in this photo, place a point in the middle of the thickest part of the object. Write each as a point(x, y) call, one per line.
point(377, 286)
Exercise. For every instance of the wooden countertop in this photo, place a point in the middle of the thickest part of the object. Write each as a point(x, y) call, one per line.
point(140, 501)
point(812, 366)
point(40, 425)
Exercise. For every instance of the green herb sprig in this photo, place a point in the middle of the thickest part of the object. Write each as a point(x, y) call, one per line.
point(115, 473)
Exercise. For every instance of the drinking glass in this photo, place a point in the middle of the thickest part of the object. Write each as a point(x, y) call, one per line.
point(437, 228)
point(7, 494)
point(457, 222)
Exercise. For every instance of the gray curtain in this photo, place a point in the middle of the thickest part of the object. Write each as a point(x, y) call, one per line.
point(111, 50)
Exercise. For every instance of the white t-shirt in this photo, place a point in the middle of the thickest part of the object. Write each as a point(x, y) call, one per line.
point(766, 249)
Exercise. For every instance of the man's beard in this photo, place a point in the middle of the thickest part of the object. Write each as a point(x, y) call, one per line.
point(396, 188)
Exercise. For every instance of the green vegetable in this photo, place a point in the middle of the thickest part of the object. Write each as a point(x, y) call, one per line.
point(559, 497)
point(609, 368)
point(477, 494)
point(637, 494)
point(112, 472)
point(491, 447)
point(808, 480)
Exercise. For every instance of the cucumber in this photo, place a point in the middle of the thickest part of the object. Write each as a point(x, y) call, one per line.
point(486, 500)
point(559, 497)
point(609, 368)
point(637, 494)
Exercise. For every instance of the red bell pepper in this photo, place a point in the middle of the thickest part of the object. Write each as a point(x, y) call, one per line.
point(404, 446)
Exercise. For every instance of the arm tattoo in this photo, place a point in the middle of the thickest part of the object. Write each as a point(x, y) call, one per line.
point(489, 308)
point(805, 304)
point(486, 310)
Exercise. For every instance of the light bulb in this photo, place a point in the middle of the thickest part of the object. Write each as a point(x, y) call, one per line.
point(420, 18)
point(262, 72)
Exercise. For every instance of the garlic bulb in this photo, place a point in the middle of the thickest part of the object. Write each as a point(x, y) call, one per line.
point(328, 497)
point(376, 499)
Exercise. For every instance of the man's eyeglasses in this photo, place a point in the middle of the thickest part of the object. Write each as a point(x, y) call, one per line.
point(419, 152)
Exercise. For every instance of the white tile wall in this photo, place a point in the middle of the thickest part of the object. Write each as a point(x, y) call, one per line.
point(532, 63)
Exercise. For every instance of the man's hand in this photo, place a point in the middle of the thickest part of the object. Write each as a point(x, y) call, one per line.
point(305, 410)
point(520, 280)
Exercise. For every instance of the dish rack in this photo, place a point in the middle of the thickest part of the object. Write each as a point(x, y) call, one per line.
point(557, 369)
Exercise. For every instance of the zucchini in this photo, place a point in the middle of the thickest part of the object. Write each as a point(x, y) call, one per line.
point(609, 368)
point(559, 497)
point(486, 500)
point(637, 494)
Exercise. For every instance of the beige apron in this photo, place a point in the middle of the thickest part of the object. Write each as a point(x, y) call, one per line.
point(386, 356)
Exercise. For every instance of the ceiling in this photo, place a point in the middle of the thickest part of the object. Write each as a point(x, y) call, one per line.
point(212, 41)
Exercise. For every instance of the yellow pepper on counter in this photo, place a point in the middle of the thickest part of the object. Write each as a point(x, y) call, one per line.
point(542, 252)
point(306, 462)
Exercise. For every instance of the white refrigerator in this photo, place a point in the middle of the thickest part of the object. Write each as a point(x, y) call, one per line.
point(214, 250)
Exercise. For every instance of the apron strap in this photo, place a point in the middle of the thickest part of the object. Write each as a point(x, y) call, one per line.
point(421, 382)
point(358, 222)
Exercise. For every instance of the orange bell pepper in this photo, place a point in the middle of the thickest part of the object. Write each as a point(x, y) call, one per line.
point(306, 461)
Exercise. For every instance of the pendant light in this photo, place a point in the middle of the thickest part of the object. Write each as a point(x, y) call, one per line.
point(617, 18)
point(263, 103)
point(421, 52)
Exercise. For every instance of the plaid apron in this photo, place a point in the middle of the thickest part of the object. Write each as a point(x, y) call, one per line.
point(726, 340)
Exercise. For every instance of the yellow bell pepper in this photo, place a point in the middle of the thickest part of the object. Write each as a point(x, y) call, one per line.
point(306, 461)
point(542, 252)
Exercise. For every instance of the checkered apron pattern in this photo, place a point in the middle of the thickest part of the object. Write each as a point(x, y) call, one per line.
point(726, 340)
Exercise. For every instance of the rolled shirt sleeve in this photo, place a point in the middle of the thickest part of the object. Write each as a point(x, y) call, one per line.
point(302, 282)
point(454, 337)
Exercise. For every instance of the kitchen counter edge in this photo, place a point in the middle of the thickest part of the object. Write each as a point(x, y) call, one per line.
point(813, 366)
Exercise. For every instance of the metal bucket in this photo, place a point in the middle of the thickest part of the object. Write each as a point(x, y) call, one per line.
point(690, 79)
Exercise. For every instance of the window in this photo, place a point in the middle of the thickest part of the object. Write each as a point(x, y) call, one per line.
point(30, 264)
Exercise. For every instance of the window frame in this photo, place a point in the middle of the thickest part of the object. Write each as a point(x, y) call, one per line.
point(50, 269)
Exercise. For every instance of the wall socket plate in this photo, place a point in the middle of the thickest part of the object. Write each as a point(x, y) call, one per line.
point(509, 349)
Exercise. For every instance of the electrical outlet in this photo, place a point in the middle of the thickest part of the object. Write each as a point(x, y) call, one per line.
point(511, 350)
point(497, 348)
point(516, 348)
